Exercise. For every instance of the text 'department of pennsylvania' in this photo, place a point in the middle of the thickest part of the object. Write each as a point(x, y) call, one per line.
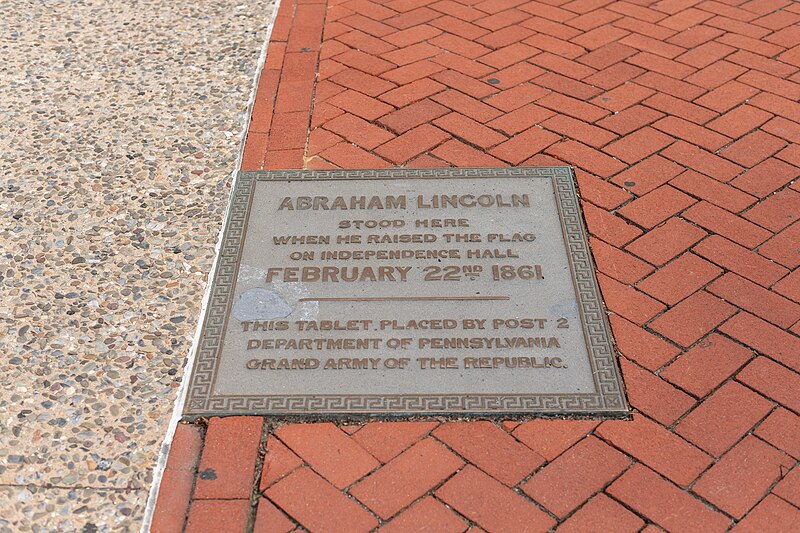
point(405, 292)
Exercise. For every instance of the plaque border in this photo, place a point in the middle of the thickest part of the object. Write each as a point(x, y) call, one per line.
point(609, 400)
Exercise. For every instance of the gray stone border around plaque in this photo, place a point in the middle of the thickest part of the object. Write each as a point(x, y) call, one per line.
point(609, 401)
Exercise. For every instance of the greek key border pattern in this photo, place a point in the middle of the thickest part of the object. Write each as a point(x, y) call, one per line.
point(610, 399)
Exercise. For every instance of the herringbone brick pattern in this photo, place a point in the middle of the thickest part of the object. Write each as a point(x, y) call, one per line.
point(683, 122)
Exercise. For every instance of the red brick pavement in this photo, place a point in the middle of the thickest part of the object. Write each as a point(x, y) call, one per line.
point(681, 119)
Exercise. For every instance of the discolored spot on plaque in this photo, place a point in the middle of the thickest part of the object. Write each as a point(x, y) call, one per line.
point(405, 292)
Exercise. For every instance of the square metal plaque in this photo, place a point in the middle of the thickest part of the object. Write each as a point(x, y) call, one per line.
point(405, 292)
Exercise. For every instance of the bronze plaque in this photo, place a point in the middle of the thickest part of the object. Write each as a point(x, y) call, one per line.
point(405, 292)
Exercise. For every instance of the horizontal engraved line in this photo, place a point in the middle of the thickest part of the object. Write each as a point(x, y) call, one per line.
point(406, 299)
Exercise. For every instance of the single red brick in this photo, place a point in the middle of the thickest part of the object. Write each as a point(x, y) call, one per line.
point(739, 121)
point(520, 119)
point(329, 451)
point(429, 514)
point(671, 86)
point(772, 380)
point(753, 148)
point(783, 128)
point(491, 449)
point(594, 19)
point(777, 211)
point(692, 133)
point(358, 131)
point(549, 27)
point(617, 264)
point(550, 437)
point(790, 285)
point(782, 248)
point(574, 476)
point(743, 476)
point(385, 440)
point(412, 92)
point(411, 116)
point(680, 108)
point(502, 19)
point(361, 41)
point(469, 67)
point(638, 145)
point(278, 461)
point(516, 97)
point(361, 82)
point(289, 131)
point(601, 513)
point(655, 46)
point(514, 75)
point(782, 430)
point(360, 105)
point(491, 504)
point(656, 447)
point(664, 242)
point(211, 516)
point(757, 300)
point(572, 107)
point(412, 143)
point(603, 40)
point(411, 54)
point(653, 396)
point(586, 157)
point(459, 45)
point(323, 112)
point(320, 139)
point(270, 519)
point(647, 493)
point(702, 161)
point(458, 10)
point(628, 302)
point(680, 278)
point(277, 159)
point(364, 62)
point(725, 223)
point(777, 105)
point(461, 155)
point(229, 458)
point(713, 191)
point(469, 130)
point(705, 54)
point(412, 35)
point(567, 86)
point(641, 346)
point(769, 82)
point(579, 130)
point(175, 490)
point(345, 155)
point(317, 504)
point(630, 119)
point(466, 105)
point(740, 260)
point(723, 418)
point(505, 36)
point(764, 337)
point(668, 67)
point(412, 72)
point(656, 206)
point(645, 176)
point(255, 148)
point(524, 145)
point(710, 362)
point(609, 227)
point(691, 319)
point(465, 84)
point(406, 477)
point(600, 192)
point(694, 36)
point(459, 27)
point(556, 46)
point(772, 514)
point(615, 75)
point(766, 177)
